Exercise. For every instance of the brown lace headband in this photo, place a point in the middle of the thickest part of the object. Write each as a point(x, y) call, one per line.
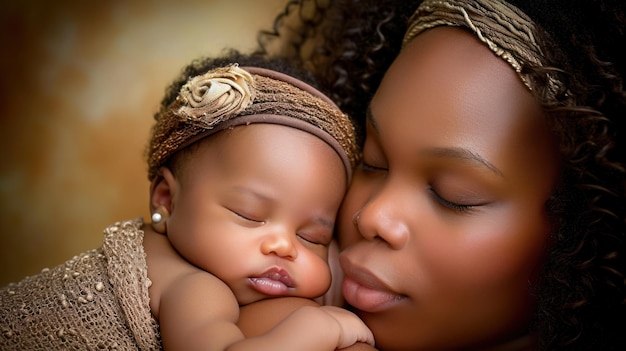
point(230, 96)
point(505, 29)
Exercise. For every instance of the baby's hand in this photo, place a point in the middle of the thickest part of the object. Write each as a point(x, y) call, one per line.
point(352, 328)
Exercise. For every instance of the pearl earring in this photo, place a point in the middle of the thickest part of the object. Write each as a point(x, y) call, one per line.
point(159, 219)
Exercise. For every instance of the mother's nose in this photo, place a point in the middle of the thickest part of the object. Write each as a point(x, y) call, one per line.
point(382, 218)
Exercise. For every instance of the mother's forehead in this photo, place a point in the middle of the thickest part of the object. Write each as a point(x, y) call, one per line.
point(450, 61)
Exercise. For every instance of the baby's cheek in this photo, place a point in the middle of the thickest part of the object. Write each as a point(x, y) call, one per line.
point(315, 280)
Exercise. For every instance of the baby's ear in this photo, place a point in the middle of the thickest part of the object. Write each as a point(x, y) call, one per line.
point(162, 189)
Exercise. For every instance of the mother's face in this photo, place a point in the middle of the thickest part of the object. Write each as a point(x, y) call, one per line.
point(458, 165)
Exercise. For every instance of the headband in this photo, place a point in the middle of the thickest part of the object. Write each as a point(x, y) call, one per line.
point(231, 96)
point(507, 31)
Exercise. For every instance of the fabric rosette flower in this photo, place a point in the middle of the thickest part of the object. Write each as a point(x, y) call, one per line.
point(216, 95)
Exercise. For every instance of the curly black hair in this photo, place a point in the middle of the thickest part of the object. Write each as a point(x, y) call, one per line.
point(581, 294)
point(348, 44)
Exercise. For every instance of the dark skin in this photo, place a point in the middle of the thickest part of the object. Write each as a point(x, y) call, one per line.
point(273, 312)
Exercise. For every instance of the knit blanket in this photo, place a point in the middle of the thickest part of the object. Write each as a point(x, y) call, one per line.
point(97, 300)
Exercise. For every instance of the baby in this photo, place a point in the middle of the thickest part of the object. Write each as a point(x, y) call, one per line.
point(248, 167)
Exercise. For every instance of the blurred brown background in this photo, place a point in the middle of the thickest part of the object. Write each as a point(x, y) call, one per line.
point(79, 83)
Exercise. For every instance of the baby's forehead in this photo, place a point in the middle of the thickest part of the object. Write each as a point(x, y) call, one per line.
point(261, 141)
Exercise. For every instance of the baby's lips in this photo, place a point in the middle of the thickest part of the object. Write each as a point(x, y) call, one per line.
point(278, 274)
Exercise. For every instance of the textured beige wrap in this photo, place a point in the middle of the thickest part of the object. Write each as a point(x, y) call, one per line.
point(98, 300)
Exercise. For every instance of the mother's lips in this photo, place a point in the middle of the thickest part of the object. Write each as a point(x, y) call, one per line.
point(364, 290)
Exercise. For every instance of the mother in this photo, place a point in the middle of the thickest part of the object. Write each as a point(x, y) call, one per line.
point(489, 210)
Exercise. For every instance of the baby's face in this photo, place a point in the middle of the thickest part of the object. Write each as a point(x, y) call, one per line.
point(256, 207)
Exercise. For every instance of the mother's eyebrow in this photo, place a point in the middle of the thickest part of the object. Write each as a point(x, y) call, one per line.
point(447, 152)
point(463, 154)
